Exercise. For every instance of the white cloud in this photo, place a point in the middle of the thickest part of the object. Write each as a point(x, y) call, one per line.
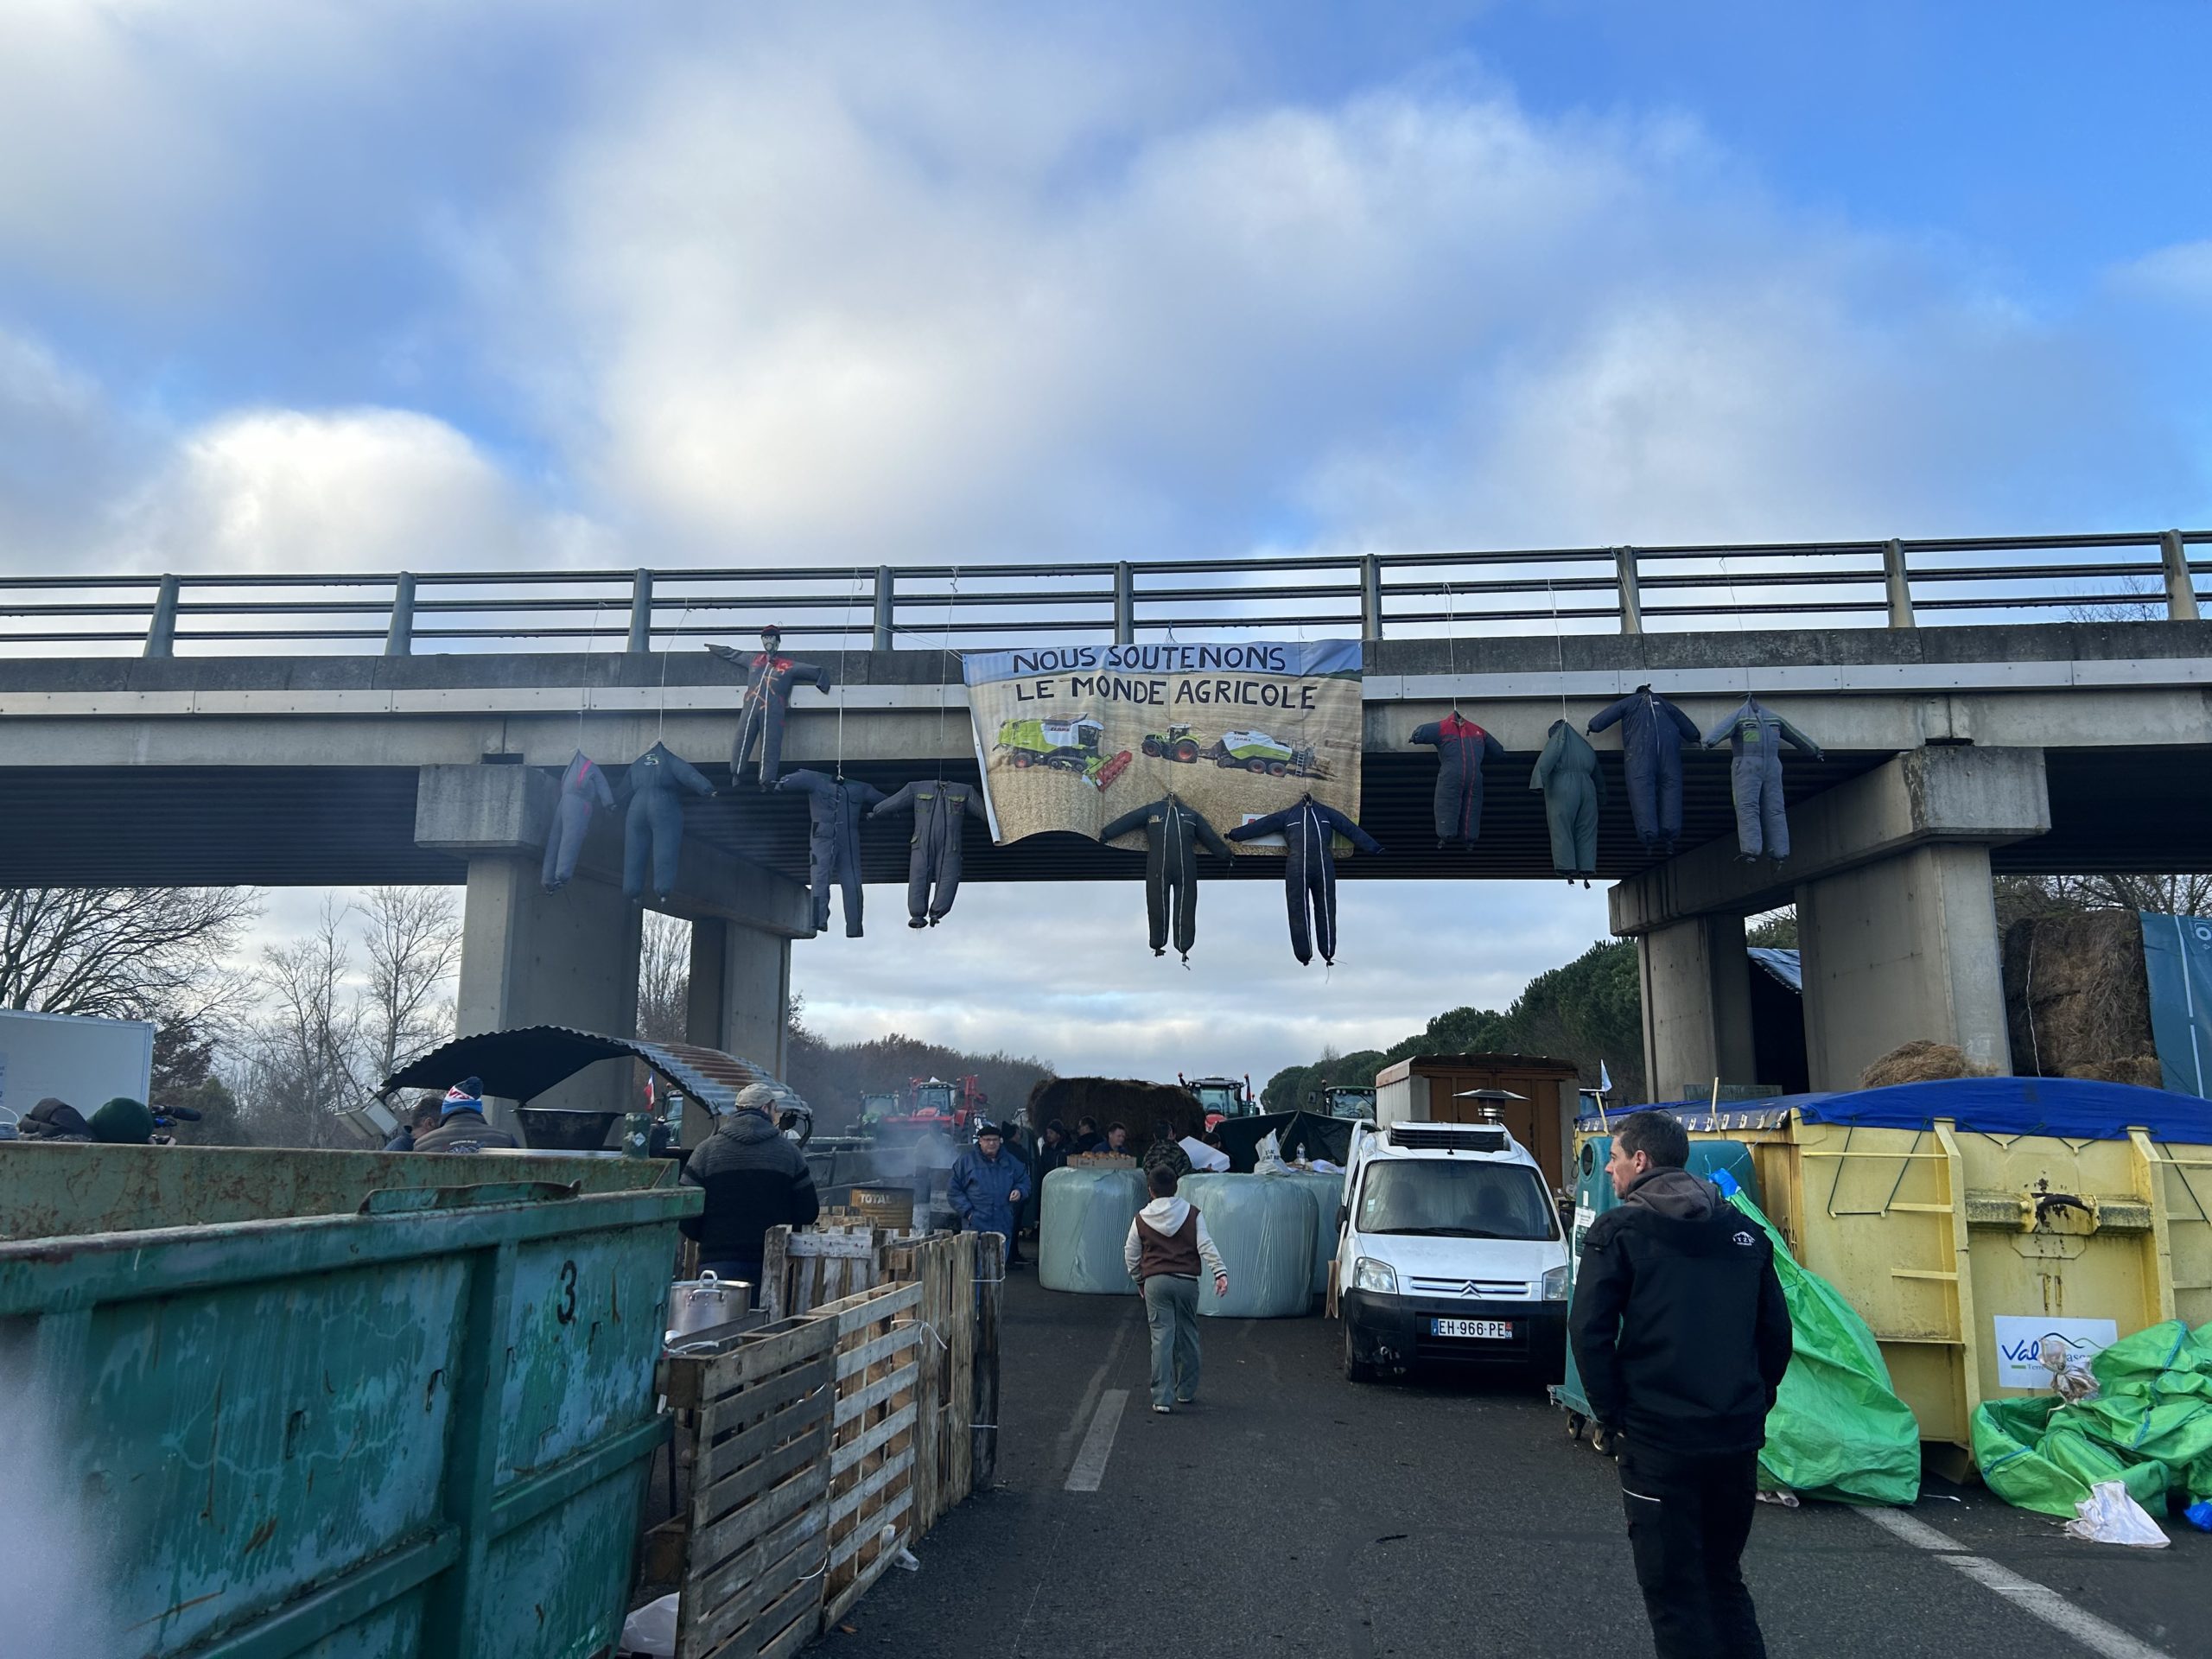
point(2181, 273)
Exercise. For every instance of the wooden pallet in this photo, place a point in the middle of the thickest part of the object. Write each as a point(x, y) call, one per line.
point(754, 1538)
point(872, 1441)
point(945, 1269)
point(808, 1267)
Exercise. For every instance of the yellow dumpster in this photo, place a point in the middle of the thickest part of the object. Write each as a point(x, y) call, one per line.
point(1969, 1220)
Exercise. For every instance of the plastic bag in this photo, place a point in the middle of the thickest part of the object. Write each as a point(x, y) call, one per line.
point(651, 1629)
point(1837, 1430)
point(2072, 1379)
point(2110, 1515)
point(1210, 1160)
point(1267, 1157)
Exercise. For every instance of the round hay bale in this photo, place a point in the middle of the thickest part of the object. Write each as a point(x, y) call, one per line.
point(1921, 1061)
point(2075, 992)
point(1130, 1102)
point(2141, 1069)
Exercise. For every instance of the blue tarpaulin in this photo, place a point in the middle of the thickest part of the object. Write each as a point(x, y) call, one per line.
point(2069, 1108)
point(2177, 957)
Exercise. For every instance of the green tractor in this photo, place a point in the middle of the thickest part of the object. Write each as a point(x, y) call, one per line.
point(1062, 746)
point(1177, 744)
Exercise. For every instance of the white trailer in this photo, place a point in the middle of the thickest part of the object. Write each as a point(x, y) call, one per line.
point(85, 1061)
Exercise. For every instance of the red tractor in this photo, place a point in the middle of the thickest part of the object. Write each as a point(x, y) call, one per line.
point(933, 1104)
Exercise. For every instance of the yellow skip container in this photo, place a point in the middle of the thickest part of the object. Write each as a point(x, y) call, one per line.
point(1970, 1220)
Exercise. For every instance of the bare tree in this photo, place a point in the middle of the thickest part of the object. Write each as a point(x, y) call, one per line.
point(412, 936)
point(121, 952)
point(663, 977)
point(2021, 896)
point(303, 1059)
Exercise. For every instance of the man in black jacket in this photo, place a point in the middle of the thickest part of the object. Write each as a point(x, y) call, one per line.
point(1682, 1336)
point(756, 1179)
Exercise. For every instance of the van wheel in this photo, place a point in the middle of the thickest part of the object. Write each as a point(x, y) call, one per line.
point(1356, 1368)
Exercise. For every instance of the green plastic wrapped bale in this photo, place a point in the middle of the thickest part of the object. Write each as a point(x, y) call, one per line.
point(1328, 1193)
point(2149, 1425)
point(1263, 1227)
point(1837, 1429)
point(1080, 1227)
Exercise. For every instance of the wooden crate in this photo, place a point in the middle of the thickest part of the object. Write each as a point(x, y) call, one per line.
point(754, 1537)
point(872, 1454)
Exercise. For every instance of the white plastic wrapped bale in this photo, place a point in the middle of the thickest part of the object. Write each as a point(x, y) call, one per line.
point(1263, 1225)
point(1081, 1226)
point(1328, 1193)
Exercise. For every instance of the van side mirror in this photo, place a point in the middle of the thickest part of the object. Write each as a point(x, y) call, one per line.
point(1344, 1214)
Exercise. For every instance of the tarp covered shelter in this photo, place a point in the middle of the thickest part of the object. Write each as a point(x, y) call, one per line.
point(2066, 1109)
point(1321, 1135)
point(523, 1063)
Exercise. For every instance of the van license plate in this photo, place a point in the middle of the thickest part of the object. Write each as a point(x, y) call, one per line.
point(1497, 1330)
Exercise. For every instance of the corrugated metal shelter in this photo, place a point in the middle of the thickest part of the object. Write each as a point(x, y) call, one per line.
point(524, 1062)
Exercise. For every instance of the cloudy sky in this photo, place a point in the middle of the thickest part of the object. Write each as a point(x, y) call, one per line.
point(335, 285)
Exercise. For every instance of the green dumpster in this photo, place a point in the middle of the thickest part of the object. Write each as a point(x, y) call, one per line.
point(422, 1428)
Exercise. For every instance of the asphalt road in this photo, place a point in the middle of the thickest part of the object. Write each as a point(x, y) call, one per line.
point(1293, 1513)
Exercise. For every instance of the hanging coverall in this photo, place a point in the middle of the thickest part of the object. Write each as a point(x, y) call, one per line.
point(1171, 867)
point(768, 679)
point(1755, 735)
point(1461, 747)
point(1309, 871)
point(1651, 758)
point(934, 854)
point(1574, 788)
point(833, 840)
point(583, 786)
point(652, 831)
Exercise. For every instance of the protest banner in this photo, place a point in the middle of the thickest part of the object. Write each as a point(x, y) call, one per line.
point(1070, 737)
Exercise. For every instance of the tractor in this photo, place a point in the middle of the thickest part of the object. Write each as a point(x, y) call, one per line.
point(1176, 745)
point(1062, 746)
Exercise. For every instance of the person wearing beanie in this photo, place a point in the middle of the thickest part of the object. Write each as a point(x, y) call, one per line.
point(462, 1126)
point(987, 1184)
point(124, 1122)
point(754, 1178)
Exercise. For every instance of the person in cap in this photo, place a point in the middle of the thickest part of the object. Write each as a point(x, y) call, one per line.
point(754, 1177)
point(461, 1124)
point(1167, 1245)
point(428, 1110)
point(769, 677)
point(988, 1184)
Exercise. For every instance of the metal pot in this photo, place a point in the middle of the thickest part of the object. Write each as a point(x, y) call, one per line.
point(696, 1304)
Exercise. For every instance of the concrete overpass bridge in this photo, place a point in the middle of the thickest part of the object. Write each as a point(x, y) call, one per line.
point(1990, 745)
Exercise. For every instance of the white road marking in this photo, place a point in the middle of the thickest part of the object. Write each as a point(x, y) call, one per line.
point(1089, 1466)
point(2040, 1601)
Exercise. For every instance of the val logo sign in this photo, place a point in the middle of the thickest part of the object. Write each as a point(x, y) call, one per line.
point(2020, 1338)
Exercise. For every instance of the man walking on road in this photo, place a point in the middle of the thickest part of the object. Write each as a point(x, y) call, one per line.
point(1682, 1336)
point(1168, 1244)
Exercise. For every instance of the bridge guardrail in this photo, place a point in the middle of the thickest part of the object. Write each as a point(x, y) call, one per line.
point(1894, 583)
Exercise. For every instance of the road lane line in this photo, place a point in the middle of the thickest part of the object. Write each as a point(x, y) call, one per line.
point(2038, 1600)
point(1089, 1402)
point(1098, 1445)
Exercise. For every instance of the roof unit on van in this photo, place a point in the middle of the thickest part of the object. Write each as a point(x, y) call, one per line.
point(1450, 1137)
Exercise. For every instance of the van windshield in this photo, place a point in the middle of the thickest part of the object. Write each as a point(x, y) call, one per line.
point(1455, 1198)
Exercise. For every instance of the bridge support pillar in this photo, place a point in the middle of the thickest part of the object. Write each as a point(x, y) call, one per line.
point(1901, 949)
point(1697, 1004)
point(1896, 921)
point(740, 995)
point(530, 957)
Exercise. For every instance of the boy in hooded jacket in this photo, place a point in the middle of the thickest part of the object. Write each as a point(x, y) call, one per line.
point(1167, 1244)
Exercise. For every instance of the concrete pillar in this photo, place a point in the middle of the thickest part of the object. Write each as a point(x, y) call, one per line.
point(1903, 948)
point(529, 957)
point(1697, 1004)
point(740, 995)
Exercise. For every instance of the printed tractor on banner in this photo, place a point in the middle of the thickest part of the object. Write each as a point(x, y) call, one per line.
point(1177, 744)
point(1257, 751)
point(1062, 745)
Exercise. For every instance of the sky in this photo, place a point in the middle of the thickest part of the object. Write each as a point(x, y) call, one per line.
point(327, 286)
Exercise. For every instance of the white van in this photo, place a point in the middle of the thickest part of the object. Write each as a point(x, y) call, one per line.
point(1449, 1248)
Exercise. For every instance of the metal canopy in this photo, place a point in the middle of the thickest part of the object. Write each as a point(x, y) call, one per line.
point(524, 1063)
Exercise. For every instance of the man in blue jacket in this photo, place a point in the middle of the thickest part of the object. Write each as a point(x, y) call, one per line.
point(987, 1184)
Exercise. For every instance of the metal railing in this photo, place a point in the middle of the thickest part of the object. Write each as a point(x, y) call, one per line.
point(1898, 584)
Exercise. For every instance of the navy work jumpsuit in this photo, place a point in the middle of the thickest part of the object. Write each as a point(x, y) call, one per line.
point(1755, 735)
point(583, 786)
point(1171, 867)
point(1652, 734)
point(652, 829)
point(768, 680)
point(1309, 874)
point(833, 840)
point(933, 859)
point(1461, 747)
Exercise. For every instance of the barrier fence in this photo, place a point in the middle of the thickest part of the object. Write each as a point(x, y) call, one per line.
point(1899, 584)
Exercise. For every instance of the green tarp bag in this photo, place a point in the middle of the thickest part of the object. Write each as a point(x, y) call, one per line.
point(1837, 1430)
point(2149, 1426)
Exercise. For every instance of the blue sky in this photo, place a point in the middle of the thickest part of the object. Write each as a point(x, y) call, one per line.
point(314, 285)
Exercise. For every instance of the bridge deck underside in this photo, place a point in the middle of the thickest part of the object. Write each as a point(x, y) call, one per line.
point(2111, 810)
